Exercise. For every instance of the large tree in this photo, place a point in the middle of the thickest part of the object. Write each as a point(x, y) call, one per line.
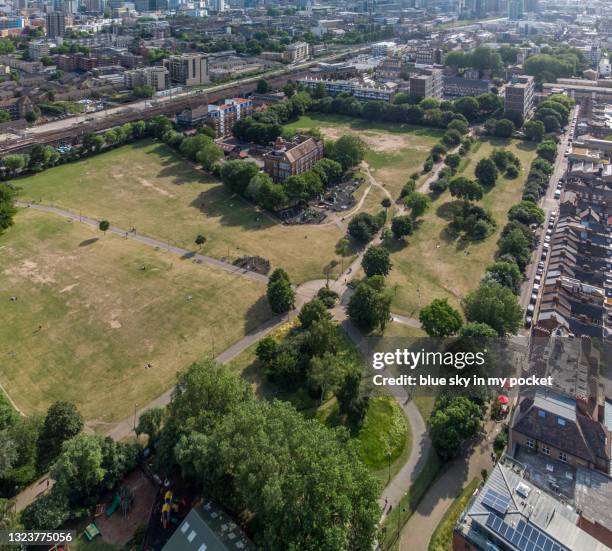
point(369, 307)
point(401, 226)
point(495, 305)
point(454, 421)
point(348, 150)
point(418, 203)
point(237, 174)
point(440, 319)
point(376, 261)
point(281, 296)
point(302, 481)
point(62, 422)
point(506, 273)
point(465, 189)
point(486, 173)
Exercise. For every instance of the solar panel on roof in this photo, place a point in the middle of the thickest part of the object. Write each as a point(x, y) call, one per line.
point(496, 501)
point(525, 537)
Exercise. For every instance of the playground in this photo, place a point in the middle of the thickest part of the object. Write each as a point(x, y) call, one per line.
point(127, 509)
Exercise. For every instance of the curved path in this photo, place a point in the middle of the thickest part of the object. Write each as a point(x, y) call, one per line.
point(400, 483)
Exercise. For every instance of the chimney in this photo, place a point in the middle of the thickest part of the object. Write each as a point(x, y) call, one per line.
point(279, 144)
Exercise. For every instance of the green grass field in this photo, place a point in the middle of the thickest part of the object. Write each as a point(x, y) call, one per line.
point(431, 265)
point(87, 317)
point(395, 150)
point(147, 186)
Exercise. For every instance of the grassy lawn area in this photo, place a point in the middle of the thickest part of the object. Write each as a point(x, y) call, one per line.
point(432, 265)
point(147, 186)
point(396, 150)
point(442, 538)
point(87, 317)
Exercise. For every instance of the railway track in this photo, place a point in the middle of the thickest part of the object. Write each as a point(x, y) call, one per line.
point(71, 134)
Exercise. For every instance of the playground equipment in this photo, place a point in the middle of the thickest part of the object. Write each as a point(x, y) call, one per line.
point(166, 511)
point(127, 499)
point(91, 531)
point(113, 506)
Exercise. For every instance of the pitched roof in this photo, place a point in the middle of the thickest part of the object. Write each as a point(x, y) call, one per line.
point(549, 418)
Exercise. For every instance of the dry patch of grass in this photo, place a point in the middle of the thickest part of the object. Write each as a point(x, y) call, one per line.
point(88, 317)
point(431, 265)
point(147, 186)
point(395, 150)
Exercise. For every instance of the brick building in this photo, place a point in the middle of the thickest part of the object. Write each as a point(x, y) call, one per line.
point(292, 158)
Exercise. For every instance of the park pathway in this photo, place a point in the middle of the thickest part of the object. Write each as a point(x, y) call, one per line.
point(152, 242)
point(400, 483)
point(417, 532)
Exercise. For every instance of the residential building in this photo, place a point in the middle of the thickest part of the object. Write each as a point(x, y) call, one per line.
point(297, 51)
point(516, 9)
point(458, 87)
point(222, 117)
point(520, 95)
point(428, 85)
point(291, 158)
point(188, 69)
point(55, 24)
point(382, 49)
point(556, 426)
point(361, 91)
point(38, 50)
point(10, 26)
point(17, 108)
point(157, 77)
point(510, 512)
point(205, 527)
point(219, 117)
point(427, 56)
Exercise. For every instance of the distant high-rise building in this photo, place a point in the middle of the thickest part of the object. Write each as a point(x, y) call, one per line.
point(216, 5)
point(532, 6)
point(94, 6)
point(516, 8)
point(56, 24)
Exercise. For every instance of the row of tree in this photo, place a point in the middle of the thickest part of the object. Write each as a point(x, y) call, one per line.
point(42, 157)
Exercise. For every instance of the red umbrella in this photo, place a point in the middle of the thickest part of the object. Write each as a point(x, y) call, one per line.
point(502, 399)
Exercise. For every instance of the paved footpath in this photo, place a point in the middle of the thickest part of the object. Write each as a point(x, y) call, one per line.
point(152, 242)
point(420, 440)
point(417, 532)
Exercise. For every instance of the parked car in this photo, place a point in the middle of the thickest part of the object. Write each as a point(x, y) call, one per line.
point(541, 264)
point(540, 271)
point(534, 298)
point(528, 321)
point(530, 308)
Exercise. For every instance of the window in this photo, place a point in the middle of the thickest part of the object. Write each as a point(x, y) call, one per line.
point(561, 421)
point(541, 413)
point(545, 450)
point(563, 457)
point(530, 443)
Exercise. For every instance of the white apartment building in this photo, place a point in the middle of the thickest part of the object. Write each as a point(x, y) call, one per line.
point(157, 77)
